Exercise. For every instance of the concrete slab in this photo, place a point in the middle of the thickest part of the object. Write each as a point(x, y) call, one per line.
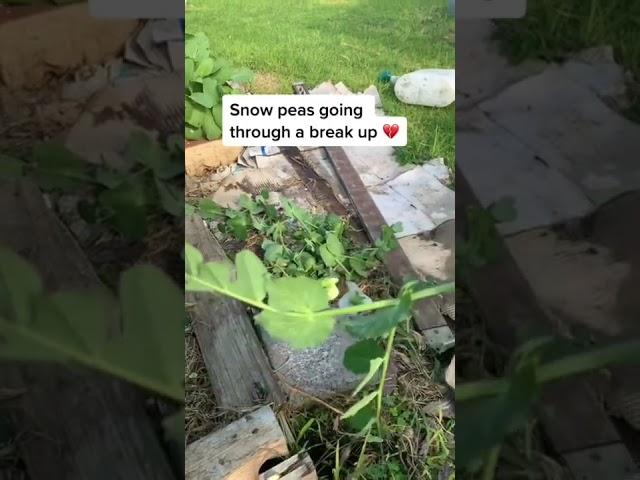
point(481, 72)
point(572, 130)
point(499, 165)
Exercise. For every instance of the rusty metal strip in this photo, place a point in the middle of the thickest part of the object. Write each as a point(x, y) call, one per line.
point(426, 313)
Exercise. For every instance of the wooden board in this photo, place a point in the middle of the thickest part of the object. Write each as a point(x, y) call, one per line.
point(238, 367)
point(73, 424)
point(298, 467)
point(570, 413)
point(237, 451)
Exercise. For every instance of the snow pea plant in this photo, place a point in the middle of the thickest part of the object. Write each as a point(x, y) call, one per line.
point(295, 241)
point(297, 310)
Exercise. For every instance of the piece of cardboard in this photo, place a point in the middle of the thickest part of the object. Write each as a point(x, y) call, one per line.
point(26, 60)
point(205, 157)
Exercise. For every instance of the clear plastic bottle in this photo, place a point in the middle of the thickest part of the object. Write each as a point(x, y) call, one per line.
point(431, 87)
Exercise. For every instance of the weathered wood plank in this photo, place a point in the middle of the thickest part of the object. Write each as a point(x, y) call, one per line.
point(238, 367)
point(573, 418)
point(74, 424)
point(298, 467)
point(570, 413)
point(237, 451)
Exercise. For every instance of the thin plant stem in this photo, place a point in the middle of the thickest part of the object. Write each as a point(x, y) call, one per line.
point(332, 312)
point(383, 376)
point(93, 362)
point(489, 471)
point(556, 369)
point(362, 452)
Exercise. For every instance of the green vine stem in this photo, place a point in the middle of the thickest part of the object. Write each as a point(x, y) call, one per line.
point(94, 362)
point(383, 376)
point(554, 370)
point(489, 471)
point(332, 312)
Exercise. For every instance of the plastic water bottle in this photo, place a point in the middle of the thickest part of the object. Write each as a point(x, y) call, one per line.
point(432, 87)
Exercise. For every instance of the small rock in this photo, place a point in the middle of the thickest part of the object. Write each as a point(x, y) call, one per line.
point(318, 371)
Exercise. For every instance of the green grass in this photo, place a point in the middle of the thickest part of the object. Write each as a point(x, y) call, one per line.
point(553, 29)
point(351, 41)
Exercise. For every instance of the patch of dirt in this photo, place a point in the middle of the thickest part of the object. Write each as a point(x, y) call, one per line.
point(266, 83)
point(27, 117)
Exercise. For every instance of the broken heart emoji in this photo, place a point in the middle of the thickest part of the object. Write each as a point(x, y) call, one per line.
point(391, 130)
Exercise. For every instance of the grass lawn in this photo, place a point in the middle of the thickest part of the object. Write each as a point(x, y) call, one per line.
point(553, 29)
point(351, 41)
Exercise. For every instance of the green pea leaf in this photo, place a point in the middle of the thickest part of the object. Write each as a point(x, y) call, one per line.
point(239, 226)
point(484, 423)
point(358, 266)
point(272, 251)
point(251, 276)
point(358, 356)
point(298, 325)
point(374, 366)
point(146, 151)
point(380, 322)
point(189, 69)
point(363, 420)
point(171, 197)
point(248, 280)
point(359, 405)
point(327, 257)
point(195, 115)
point(59, 168)
point(126, 205)
point(152, 308)
point(334, 245)
point(196, 46)
point(217, 115)
point(192, 259)
point(210, 88)
point(208, 209)
point(203, 99)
